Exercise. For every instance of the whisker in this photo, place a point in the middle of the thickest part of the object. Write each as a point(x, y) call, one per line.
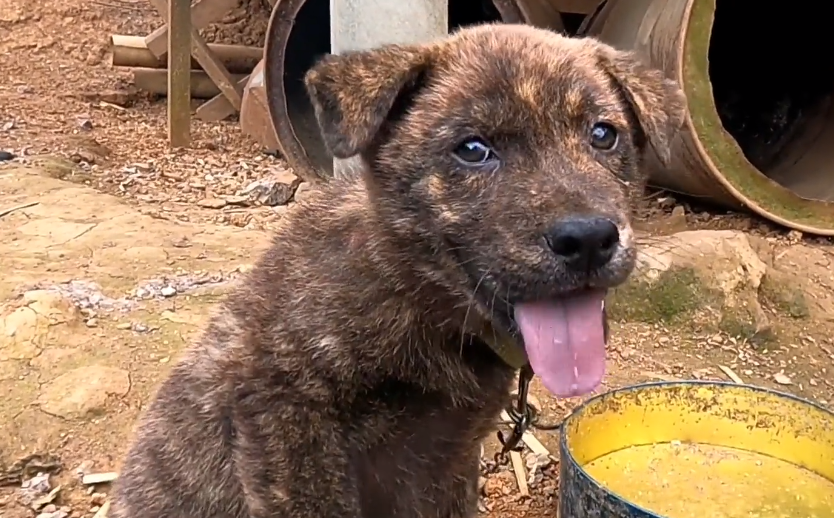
point(468, 309)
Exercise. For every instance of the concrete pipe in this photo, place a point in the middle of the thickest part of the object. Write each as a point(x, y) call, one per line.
point(299, 33)
point(760, 130)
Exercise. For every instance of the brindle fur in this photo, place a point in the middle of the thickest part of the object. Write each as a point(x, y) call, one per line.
point(346, 378)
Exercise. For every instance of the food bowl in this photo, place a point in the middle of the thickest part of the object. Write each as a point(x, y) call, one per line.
point(697, 449)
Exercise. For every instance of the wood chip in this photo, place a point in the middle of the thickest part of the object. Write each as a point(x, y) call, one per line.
point(730, 374)
point(99, 478)
point(103, 510)
point(520, 473)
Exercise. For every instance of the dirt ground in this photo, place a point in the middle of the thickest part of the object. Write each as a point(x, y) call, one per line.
point(117, 249)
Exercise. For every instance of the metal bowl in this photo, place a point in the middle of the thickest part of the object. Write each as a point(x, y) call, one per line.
point(697, 449)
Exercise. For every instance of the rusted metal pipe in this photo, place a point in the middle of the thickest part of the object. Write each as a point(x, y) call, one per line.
point(782, 174)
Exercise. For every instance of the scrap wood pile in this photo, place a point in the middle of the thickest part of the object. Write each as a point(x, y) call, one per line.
point(219, 71)
point(150, 72)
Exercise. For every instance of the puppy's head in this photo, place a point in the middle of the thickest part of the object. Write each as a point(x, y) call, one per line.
point(514, 153)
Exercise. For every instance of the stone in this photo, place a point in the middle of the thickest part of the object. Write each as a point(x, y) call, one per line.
point(83, 391)
point(723, 258)
point(277, 189)
point(303, 191)
point(24, 329)
point(212, 203)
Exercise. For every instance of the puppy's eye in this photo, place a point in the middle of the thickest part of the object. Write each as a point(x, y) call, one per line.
point(604, 136)
point(474, 151)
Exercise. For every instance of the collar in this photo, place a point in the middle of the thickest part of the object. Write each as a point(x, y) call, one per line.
point(506, 347)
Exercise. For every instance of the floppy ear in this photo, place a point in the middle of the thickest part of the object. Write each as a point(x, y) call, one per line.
point(353, 93)
point(659, 103)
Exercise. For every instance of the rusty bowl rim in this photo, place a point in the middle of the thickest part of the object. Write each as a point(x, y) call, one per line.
point(566, 455)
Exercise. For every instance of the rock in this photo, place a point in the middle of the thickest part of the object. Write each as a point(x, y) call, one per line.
point(241, 201)
point(498, 484)
point(168, 291)
point(277, 189)
point(22, 331)
point(303, 191)
point(6, 156)
point(84, 122)
point(723, 258)
point(212, 203)
point(681, 275)
point(84, 468)
point(117, 97)
point(83, 391)
point(782, 379)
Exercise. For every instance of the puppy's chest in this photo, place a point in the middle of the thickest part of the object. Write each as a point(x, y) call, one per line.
point(421, 452)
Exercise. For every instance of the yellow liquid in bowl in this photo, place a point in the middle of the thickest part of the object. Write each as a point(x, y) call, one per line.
point(696, 481)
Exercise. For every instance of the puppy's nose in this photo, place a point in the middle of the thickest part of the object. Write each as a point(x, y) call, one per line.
point(584, 243)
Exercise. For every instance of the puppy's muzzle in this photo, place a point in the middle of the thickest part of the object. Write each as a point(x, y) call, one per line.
point(584, 244)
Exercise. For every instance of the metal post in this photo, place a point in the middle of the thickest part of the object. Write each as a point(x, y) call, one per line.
point(365, 24)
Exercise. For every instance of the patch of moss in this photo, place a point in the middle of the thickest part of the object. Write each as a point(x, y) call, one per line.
point(784, 297)
point(669, 299)
point(742, 327)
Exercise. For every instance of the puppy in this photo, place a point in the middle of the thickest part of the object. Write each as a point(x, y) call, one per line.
point(358, 368)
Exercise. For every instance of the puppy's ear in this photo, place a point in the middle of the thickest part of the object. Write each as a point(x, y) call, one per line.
point(353, 93)
point(659, 103)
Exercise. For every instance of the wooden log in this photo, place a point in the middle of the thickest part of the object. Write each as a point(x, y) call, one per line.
point(155, 81)
point(203, 13)
point(131, 51)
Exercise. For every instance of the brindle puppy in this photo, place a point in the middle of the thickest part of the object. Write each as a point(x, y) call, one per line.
point(350, 375)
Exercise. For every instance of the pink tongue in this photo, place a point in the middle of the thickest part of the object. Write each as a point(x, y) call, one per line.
point(565, 342)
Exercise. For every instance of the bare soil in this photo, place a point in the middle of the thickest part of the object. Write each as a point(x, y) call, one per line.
point(123, 248)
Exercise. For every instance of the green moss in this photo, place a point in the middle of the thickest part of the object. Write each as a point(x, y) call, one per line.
point(669, 299)
point(784, 297)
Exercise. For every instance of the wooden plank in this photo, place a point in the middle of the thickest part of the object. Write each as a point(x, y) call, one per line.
point(179, 73)
point(520, 473)
point(203, 13)
point(218, 108)
point(215, 70)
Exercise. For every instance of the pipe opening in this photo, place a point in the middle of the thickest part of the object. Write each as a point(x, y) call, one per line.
point(310, 38)
point(771, 97)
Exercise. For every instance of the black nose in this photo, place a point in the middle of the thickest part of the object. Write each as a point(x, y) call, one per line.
point(584, 243)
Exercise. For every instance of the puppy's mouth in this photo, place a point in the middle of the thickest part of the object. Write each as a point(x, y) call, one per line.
point(562, 335)
point(565, 339)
